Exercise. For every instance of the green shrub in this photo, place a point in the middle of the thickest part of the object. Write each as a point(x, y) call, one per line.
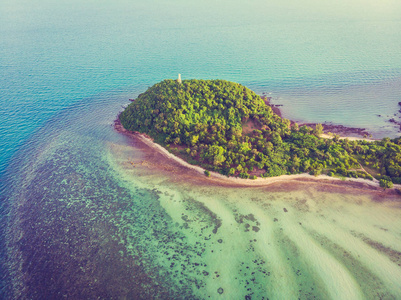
point(386, 184)
point(315, 172)
point(207, 118)
point(396, 180)
point(244, 175)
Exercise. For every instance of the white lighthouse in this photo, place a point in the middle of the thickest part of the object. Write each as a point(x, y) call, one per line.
point(179, 78)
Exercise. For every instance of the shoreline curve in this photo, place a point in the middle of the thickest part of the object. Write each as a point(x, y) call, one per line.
point(216, 178)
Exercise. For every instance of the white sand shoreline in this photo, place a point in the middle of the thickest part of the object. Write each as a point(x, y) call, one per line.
point(258, 182)
point(351, 138)
point(250, 182)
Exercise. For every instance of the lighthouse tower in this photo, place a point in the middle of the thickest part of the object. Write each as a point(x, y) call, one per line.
point(179, 78)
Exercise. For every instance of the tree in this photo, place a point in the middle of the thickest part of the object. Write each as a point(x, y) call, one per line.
point(194, 140)
point(276, 139)
point(305, 129)
point(231, 172)
point(216, 154)
point(206, 117)
point(386, 184)
point(318, 129)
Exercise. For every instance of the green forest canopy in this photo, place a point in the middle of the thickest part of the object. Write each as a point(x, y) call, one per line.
point(207, 122)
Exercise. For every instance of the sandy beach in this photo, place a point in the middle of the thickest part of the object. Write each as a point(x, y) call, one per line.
point(351, 138)
point(157, 157)
point(308, 229)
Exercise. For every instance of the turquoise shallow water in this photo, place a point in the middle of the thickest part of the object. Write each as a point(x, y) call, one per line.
point(323, 61)
point(91, 216)
point(54, 54)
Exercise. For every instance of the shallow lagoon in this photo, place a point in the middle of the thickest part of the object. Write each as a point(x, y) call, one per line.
point(92, 216)
point(83, 215)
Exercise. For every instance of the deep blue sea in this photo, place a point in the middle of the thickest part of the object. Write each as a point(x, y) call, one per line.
point(324, 61)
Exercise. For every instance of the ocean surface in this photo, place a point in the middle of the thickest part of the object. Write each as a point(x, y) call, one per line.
point(78, 221)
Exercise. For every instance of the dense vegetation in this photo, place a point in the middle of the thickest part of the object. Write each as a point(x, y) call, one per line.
point(226, 127)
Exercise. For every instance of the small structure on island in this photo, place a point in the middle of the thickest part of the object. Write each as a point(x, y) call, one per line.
point(179, 78)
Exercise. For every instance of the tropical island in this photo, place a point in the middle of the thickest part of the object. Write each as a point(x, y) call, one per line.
point(225, 127)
